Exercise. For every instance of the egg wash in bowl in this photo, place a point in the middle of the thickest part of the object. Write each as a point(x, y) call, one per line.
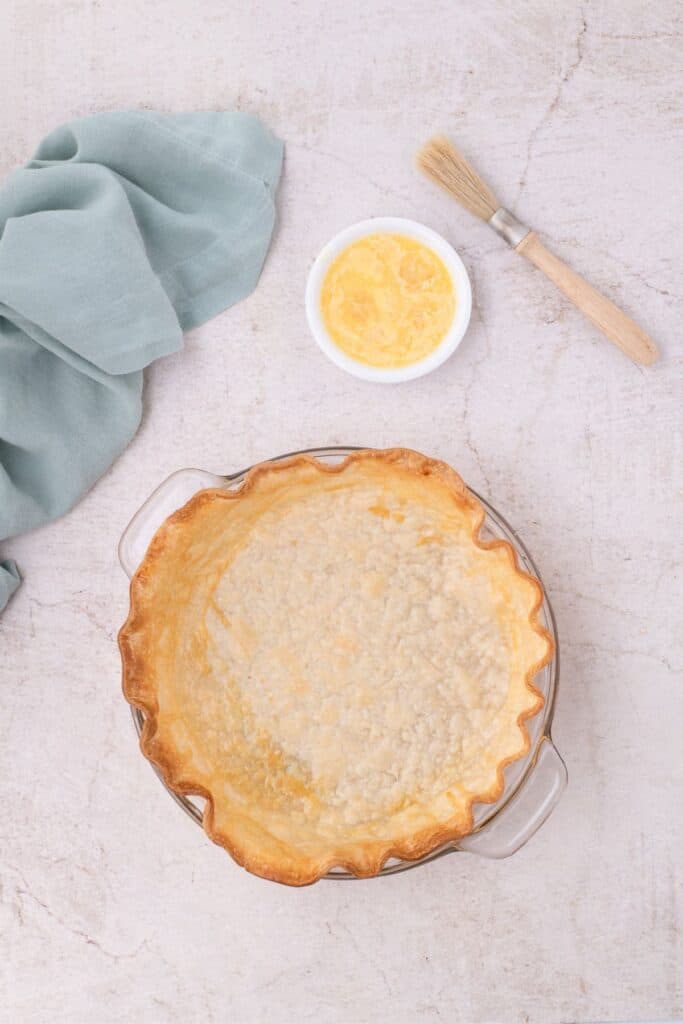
point(388, 300)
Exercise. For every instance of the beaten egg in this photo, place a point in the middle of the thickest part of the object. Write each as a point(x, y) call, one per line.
point(388, 300)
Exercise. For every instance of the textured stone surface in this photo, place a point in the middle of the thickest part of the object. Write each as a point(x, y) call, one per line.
point(114, 906)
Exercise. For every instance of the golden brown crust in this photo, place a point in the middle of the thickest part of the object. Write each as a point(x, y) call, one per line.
point(365, 858)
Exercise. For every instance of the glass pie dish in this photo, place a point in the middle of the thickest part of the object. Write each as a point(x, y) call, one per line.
point(533, 783)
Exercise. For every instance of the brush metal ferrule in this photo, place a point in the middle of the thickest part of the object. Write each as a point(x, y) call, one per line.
point(508, 227)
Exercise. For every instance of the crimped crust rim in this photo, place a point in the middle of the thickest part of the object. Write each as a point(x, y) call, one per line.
point(367, 858)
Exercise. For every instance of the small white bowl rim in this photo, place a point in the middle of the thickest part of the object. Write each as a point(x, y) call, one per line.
point(420, 233)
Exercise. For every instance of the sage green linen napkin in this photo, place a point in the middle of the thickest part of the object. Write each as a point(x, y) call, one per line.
point(124, 230)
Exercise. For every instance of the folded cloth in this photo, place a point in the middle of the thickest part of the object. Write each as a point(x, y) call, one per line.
point(124, 230)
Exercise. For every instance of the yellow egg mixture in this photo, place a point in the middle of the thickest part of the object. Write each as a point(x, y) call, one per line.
point(387, 300)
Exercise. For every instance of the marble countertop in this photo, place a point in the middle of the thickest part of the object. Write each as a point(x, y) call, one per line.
point(114, 906)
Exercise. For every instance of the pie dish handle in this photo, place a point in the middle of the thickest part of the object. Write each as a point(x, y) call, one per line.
point(529, 808)
point(168, 497)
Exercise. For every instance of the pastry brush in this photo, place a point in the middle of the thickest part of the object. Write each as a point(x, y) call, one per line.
point(449, 169)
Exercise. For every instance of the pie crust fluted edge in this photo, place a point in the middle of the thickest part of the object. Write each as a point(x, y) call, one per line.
point(363, 859)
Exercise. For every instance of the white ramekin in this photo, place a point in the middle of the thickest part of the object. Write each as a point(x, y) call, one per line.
point(420, 233)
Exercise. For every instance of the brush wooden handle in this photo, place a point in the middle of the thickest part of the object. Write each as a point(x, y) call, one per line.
point(611, 320)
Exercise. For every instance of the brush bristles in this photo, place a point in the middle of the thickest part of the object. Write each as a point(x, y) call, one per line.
point(441, 162)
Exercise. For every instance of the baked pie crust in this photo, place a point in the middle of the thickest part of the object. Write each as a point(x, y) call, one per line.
point(334, 660)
